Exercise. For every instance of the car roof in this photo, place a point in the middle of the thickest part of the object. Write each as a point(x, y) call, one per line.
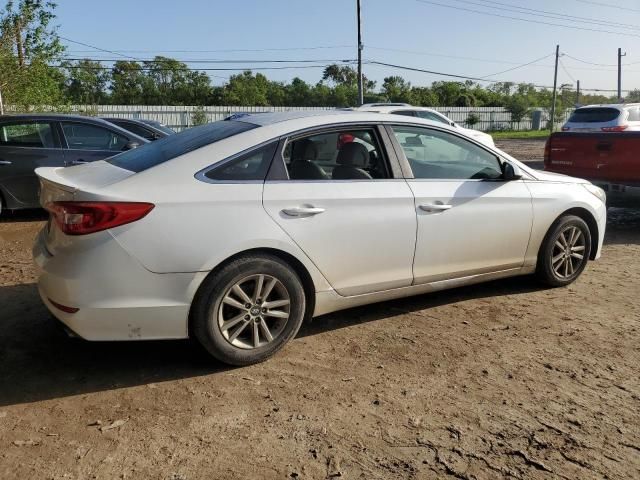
point(269, 118)
point(618, 106)
point(52, 117)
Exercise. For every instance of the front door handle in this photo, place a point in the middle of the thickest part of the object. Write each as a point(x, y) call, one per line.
point(5, 162)
point(302, 211)
point(435, 207)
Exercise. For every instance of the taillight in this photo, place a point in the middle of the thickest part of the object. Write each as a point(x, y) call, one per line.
point(547, 151)
point(81, 218)
point(618, 128)
point(565, 129)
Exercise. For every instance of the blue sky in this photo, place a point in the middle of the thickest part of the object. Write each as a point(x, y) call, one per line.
point(442, 39)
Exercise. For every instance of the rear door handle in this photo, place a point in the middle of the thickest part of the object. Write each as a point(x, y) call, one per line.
point(437, 207)
point(5, 162)
point(302, 211)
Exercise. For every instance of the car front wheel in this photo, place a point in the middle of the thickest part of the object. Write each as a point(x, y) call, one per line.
point(249, 309)
point(565, 251)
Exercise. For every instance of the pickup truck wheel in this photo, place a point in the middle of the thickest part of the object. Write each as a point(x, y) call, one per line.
point(248, 310)
point(564, 252)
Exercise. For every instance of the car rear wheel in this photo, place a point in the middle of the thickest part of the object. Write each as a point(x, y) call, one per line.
point(249, 309)
point(565, 251)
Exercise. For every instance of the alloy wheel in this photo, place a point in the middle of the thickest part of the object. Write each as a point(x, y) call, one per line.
point(568, 253)
point(254, 311)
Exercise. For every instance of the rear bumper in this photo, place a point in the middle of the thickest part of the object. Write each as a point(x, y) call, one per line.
point(116, 298)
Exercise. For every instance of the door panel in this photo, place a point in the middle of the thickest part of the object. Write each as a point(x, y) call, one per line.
point(25, 146)
point(486, 228)
point(470, 221)
point(361, 235)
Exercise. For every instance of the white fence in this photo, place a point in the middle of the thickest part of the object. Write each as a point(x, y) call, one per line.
point(181, 117)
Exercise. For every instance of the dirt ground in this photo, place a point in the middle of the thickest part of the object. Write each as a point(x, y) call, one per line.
point(502, 380)
point(527, 150)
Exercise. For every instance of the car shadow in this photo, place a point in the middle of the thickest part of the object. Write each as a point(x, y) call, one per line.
point(19, 216)
point(39, 361)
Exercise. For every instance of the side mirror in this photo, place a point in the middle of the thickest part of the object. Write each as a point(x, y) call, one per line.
point(511, 172)
point(130, 146)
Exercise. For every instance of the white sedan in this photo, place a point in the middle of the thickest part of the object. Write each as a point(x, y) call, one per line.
point(427, 114)
point(234, 232)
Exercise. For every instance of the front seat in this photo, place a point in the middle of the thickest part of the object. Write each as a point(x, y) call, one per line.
point(303, 155)
point(353, 157)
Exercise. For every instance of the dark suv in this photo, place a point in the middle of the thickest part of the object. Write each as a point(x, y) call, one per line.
point(31, 141)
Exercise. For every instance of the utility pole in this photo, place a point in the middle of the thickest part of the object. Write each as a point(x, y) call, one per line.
point(555, 85)
point(578, 94)
point(620, 55)
point(360, 47)
point(1, 104)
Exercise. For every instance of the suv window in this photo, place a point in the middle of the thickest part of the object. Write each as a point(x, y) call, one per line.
point(594, 115)
point(432, 116)
point(173, 146)
point(82, 136)
point(27, 134)
point(338, 155)
point(250, 166)
point(433, 154)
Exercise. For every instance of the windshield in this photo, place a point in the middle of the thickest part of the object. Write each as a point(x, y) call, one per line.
point(160, 151)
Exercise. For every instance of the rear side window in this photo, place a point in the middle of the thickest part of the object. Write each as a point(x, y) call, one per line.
point(160, 151)
point(634, 114)
point(594, 115)
point(432, 116)
point(27, 134)
point(250, 166)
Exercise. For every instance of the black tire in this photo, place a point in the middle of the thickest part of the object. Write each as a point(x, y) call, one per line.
point(209, 301)
point(558, 277)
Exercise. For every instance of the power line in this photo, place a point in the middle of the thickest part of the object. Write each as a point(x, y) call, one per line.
point(607, 5)
point(228, 50)
point(464, 77)
point(527, 20)
point(210, 61)
point(288, 67)
point(547, 14)
point(97, 48)
point(520, 66)
point(566, 71)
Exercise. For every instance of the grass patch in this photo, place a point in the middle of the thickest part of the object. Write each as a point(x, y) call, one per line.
point(527, 134)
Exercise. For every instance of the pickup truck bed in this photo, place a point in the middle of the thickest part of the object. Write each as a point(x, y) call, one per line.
point(609, 160)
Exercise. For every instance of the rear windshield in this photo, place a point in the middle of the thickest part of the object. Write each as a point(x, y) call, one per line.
point(160, 151)
point(594, 115)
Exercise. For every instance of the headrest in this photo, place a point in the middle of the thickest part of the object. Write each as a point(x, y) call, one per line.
point(413, 142)
point(304, 149)
point(354, 154)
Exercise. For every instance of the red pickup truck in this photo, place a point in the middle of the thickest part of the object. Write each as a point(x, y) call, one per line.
point(609, 160)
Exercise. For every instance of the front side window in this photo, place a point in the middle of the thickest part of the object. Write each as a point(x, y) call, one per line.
point(250, 166)
point(433, 154)
point(82, 136)
point(336, 155)
point(27, 134)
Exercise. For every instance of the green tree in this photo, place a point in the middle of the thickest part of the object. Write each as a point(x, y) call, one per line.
point(246, 89)
point(28, 43)
point(397, 89)
point(518, 106)
point(87, 82)
point(128, 83)
point(199, 116)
